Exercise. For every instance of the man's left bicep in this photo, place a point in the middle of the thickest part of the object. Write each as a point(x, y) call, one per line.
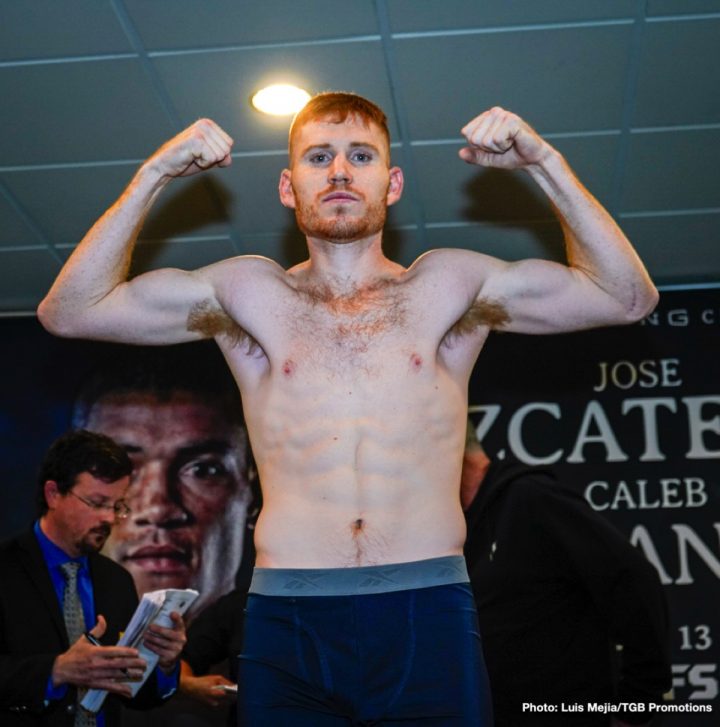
point(542, 297)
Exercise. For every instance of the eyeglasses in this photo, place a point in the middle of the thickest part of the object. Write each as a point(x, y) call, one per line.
point(119, 508)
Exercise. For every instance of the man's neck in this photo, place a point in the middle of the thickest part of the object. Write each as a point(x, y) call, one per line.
point(345, 266)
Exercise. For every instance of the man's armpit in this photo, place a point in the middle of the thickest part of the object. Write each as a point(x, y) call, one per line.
point(482, 312)
point(211, 322)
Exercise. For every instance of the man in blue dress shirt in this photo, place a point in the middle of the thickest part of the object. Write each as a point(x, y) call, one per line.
point(44, 672)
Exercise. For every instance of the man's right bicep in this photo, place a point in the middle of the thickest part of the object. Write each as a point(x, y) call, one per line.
point(154, 308)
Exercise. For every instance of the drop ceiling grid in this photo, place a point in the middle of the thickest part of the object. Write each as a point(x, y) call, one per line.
point(32, 241)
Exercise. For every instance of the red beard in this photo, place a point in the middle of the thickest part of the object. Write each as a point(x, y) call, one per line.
point(341, 226)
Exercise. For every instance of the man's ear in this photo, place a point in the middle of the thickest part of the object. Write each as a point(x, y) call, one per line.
point(395, 188)
point(287, 195)
point(51, 493)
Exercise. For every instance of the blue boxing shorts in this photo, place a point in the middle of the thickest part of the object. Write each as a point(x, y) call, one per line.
point(394, 644)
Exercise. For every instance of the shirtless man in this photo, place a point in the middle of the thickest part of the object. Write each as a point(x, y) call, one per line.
point(354, 372)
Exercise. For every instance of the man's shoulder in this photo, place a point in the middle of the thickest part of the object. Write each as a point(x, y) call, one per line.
point(8, 544)
point(115, 593)
point(11, 546)
point(21, 559)
point(504, 473)
point(544, 486)
point(534, 487)
point(245, 279)
point(453, 276)
point(108, 565)
point(105, 569)
point(449, 259)
point(240, 265)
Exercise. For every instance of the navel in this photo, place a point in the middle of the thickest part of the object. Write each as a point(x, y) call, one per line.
point(358, 525)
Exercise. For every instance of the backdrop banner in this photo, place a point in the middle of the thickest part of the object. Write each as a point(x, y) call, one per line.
point(629, 416)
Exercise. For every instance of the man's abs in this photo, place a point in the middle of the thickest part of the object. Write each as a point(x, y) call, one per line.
point(313, 534)
point(359, 472)
point(358, 432)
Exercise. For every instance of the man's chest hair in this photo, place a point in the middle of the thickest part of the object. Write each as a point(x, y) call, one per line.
point(356, 315)
point(320, 321)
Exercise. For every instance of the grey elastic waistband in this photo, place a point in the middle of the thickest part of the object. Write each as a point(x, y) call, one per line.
point(356, 581)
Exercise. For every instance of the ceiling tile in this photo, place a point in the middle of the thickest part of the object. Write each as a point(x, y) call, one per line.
point(410, 15)
point(677, 248)
point(679, 76)
point(165, 24)
point(559, 80)
point(593, 159)
point(74, 112)
point(403, 245)
point(677, 7)
point(25, 278)
point(14, 230)
point(452, 190)
point(287, 248)
point(183, 254)
point(404, 212)
point(672, 170)
point(64, 203)
point(52, 29)
point(197, 205)
point(251, 185)
point(219, 84)
point(188, 254)
point(76, 128)
point(504, 241)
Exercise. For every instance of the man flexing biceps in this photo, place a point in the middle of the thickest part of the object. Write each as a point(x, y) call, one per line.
point(354, 373)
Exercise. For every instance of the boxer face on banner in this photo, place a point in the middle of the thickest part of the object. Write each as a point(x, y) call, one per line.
point(189, 492)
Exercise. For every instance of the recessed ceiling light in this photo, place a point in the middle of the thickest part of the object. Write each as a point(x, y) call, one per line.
point(280, 99)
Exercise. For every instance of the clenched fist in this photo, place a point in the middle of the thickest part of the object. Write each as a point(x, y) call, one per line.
point(499, 138)
point(201, 146)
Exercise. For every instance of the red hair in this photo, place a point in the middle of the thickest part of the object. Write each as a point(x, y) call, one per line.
point(336, 107)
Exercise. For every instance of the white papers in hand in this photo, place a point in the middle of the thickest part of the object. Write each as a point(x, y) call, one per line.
point(155, 607)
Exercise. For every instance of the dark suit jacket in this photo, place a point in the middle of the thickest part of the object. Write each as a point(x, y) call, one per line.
point(32, 634)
